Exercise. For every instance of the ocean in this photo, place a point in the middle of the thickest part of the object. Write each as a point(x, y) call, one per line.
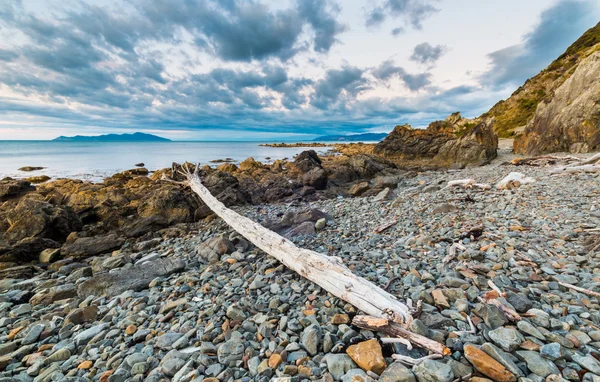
point(97, 160)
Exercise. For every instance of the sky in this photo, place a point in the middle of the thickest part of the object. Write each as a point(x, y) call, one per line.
point(268, 70)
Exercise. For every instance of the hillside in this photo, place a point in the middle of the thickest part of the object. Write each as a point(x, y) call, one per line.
point(135, 137)
point(512, 114)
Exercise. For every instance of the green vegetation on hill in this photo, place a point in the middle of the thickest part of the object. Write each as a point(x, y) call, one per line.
point(518, 109)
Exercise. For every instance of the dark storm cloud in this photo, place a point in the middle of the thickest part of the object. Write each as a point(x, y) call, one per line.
point(338, 83)
point(245, 31)
point(412, 12)
point(388, 70)
point(559, 26)
point(425, 53)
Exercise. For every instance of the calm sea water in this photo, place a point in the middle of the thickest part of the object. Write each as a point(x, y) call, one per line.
point(94, 161)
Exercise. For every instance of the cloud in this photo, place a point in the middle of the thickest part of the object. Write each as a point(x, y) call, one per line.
point(245, 31)
point(414, 82)
point(337, 85)
point(425, 53)
point(411, 12)
point(558, 27)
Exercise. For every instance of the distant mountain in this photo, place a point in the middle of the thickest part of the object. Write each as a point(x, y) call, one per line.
point(135, 137)
point(352, 137)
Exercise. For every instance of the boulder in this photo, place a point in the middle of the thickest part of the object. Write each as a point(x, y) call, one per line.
point(317, 178)
point(134, 278)
point(48, 296)
point(226, 188)
point(36, 218)
point(307, 160)
point(475, 146)
point(91, 246)
point(250, 164)
point(359, 188)
point(570, 119)
point(170, 202)
point(454, 141)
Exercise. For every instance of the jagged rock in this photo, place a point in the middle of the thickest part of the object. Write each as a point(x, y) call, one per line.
point(317, 178)
point(134, 278)
point(170, 202)
point(455, 141)
point(226, 188)
point(11, 187)
point(250, 164)
point(475, 146)
point(91, 246)
point(569, 121)
point(36, 218)
point(307, 161)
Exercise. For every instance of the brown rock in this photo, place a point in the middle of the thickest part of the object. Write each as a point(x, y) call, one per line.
point(487, 365)
point(85, 365)
point(53, 294)
point(130, 330)
point(453, 141)
point(359, 188)
point(275, 360)
point(49, 255)
point(368, 356)
point(340, 318)
point(82, 315)
point(439, 298)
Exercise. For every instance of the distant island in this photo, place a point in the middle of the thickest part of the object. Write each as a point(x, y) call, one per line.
point(135, 137)
point(352, 137)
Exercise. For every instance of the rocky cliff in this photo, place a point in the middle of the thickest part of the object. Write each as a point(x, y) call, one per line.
point(570, 120)
point(455, 141)
point(513, 114)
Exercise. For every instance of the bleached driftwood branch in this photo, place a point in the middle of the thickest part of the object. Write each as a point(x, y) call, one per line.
point(327, 271)
point(467, 183)
point(394, 330)
point(590, 168)
point(512, 180)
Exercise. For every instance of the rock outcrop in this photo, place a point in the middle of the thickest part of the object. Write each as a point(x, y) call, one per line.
point(454, 141)
point(570, 121)
point(513, 114)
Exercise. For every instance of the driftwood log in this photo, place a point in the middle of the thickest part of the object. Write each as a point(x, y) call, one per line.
point(394, 330)
point(327, 271)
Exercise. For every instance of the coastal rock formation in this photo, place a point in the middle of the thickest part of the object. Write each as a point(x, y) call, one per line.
point(513, 114)
point(570, 121)
point(454, 141)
